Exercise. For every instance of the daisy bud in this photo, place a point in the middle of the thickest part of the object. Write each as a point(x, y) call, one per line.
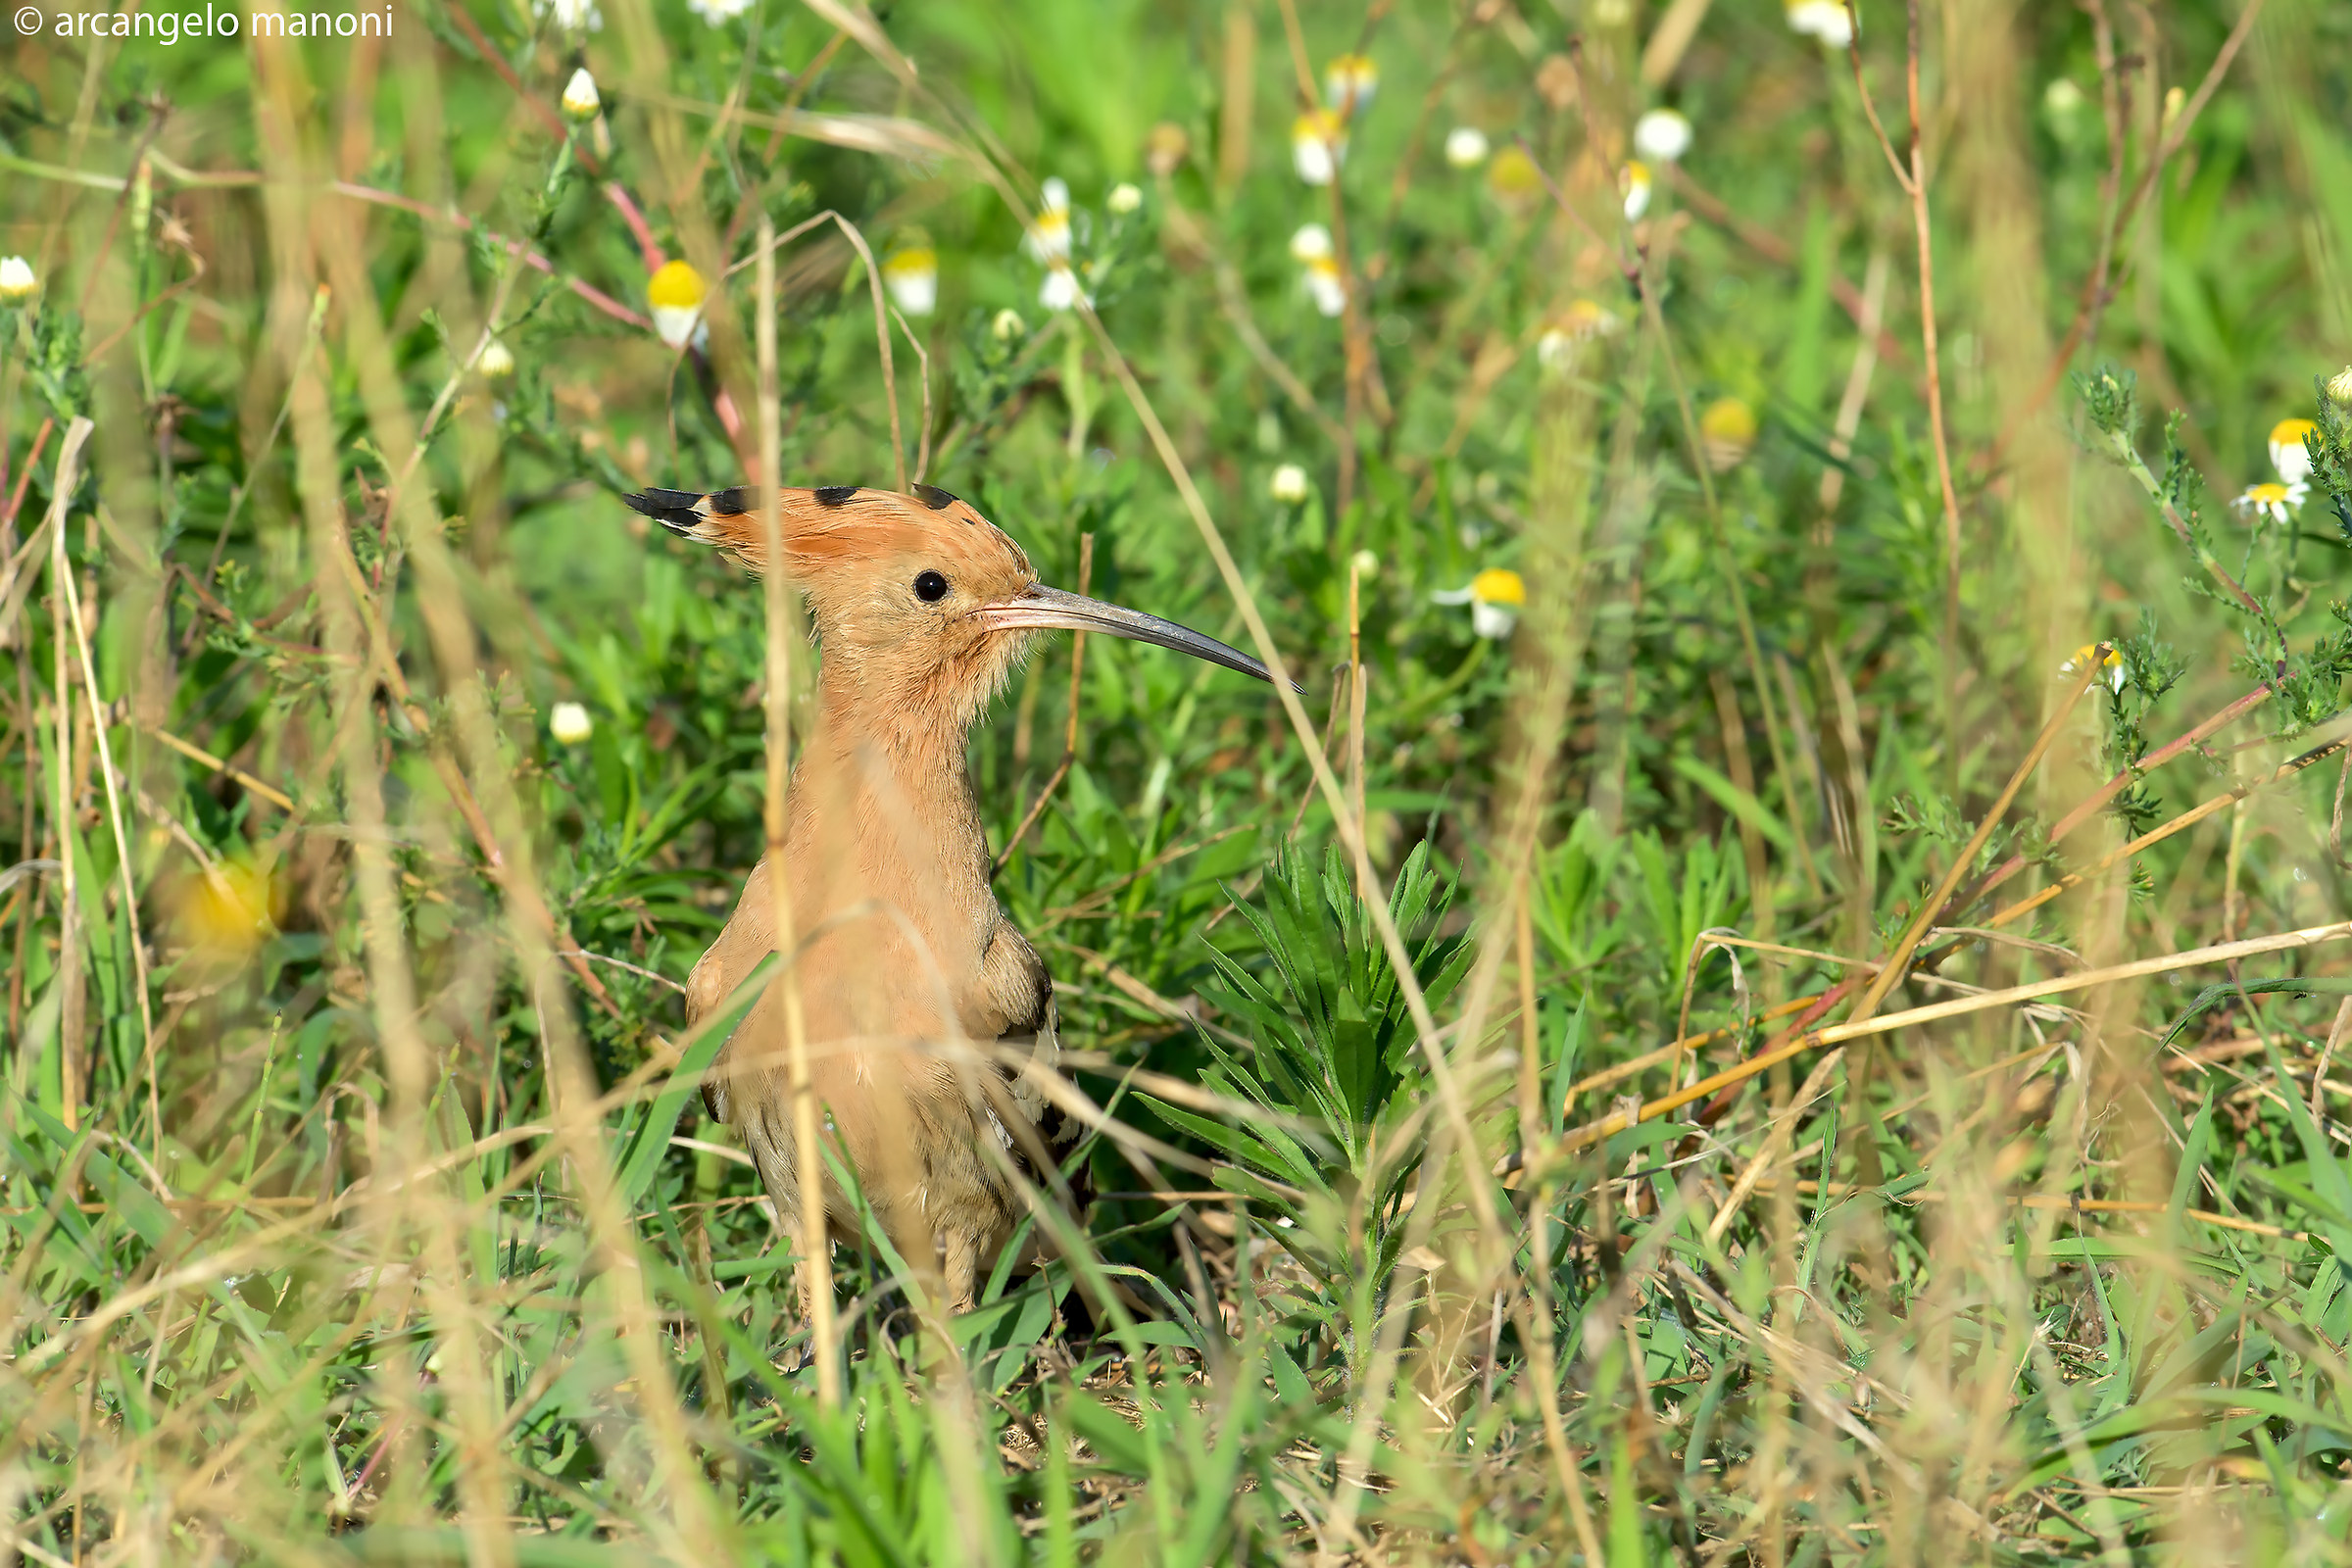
point(2339, 385)
point(569, 723)
point(497, 362)
point(580, 100)
point(17, 282)
point(1124, 198)
point(1288, 485)
point(1662, 136)
point(1824, 20)
point(1465, 147)
point(1007, 325)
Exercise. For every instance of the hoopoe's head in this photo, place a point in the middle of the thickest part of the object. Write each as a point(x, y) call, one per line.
point(918, 599)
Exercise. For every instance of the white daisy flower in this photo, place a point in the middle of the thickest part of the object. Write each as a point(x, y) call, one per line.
point(1059, 291)
point(715, 11)
point(676, 294)
point(1318, 146)
point(1326, 286)
point(2288, 455)
point(912, 277)
point(1312, 243)
point(1496, 595)
point(1048, 238)
point(1633, 181)
point(2112, 663)
point(572, 15)
point(1563, 334)
point(2272, 500)
point(1350, 83)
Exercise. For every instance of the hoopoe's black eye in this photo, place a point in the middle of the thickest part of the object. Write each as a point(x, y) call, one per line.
point(930, 587)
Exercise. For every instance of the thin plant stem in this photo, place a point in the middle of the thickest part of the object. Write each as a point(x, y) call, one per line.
point(1914, 182)
point(70, 1018)
point(815, 1271)
point(2179, 825)
point(113, 815)
point(1958, 1007)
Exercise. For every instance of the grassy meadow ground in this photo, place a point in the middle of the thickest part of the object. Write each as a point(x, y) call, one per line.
point(1834, 1069)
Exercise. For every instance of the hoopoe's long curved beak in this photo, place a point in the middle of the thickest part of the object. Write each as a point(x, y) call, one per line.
point(1038, 608)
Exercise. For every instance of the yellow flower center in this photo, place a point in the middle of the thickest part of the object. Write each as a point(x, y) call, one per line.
point(1498, 585)
point(1729, 420)
point(1513, 175)
point(2264, 495)
point(676, 287)
point(1351, 77)
point(1317, 124)
point(2290, 432)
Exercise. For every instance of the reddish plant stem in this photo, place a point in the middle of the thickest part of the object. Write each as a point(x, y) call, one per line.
point(529, 258)
point(648, 248)
point(2118, 784)
point(16, 502)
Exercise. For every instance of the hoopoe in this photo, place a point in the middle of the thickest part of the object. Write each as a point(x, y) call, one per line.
point(923, 608)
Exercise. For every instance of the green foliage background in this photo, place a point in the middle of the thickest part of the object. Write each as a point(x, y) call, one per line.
point(356, 1204)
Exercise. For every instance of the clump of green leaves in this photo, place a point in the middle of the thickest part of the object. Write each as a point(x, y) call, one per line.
point(1326, 1039)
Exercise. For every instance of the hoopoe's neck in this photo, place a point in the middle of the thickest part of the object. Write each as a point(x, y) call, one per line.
point(882, 807)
